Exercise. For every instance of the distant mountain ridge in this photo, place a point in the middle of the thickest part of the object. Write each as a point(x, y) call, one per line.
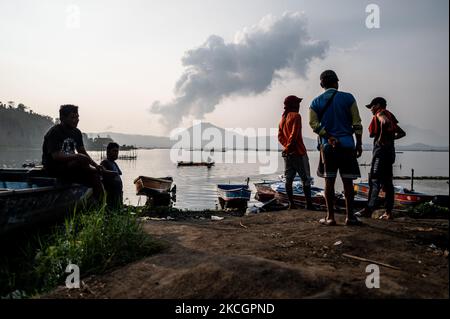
point(229, 140)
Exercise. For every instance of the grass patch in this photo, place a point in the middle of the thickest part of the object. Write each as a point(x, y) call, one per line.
point(96, 240)
point(428, 210)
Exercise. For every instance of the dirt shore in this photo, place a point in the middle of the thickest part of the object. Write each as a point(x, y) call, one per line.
point(285, 254)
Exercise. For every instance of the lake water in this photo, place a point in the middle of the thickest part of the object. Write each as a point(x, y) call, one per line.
point(196, 186)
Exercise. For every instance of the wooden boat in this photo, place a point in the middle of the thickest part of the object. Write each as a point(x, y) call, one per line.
point(264, 191)
point(28, 198)
point(207, 164)
point(152, 186)
point(402, 197)
point(233, 196)
point(317, 196)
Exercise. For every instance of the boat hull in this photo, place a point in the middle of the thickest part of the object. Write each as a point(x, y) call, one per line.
point(402, 197)
point(27, 200)
point(264, 192)
point(207, 164)
point(233, 196)
point(152, 186)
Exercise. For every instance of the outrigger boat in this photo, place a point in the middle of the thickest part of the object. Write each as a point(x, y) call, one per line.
point(29, 197)
point(207, 164)
point(233, 196)
point(402, 196)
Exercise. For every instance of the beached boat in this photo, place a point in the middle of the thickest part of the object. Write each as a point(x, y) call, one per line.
point(152, 186)
point(207, 164)
point(264, 191)
point(233, 196)
point(402, 197)
point(28, 197)
point(317, 196)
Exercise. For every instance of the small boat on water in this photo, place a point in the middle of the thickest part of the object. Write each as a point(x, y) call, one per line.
point(207, 164)
point(29, 197)
point(233, 195)
point(402, 197)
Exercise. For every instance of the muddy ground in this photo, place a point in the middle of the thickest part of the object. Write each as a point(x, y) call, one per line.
point(285, 254)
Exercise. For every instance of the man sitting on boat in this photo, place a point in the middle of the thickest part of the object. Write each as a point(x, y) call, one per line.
point(294, 153)
point(111, 177)
point(384, 130)
point(64, 155)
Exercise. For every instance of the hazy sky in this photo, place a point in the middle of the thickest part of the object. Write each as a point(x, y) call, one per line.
point(145, 66)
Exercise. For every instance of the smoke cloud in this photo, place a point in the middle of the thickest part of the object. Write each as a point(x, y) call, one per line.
point(247, 66)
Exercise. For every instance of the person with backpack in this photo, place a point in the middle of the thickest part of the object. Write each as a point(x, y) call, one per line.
point(334, 116)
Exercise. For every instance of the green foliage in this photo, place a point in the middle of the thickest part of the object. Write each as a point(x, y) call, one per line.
point(428, 209)
point(96, 241)
point(18, 127)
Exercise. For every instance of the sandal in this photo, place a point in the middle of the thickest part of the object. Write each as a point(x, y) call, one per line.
point(386, 217)
point(353, 221)
point(327, 222)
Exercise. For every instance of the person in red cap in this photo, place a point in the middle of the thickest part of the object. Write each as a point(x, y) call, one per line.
point(294, 153)
point(384, 130)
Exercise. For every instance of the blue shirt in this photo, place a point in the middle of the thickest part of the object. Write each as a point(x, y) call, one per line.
point(337, 119)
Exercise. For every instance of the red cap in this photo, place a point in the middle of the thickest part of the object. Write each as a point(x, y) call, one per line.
point(292, 100)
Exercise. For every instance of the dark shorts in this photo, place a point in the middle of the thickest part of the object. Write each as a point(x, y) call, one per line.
point(297, 164)
point(71, 173)
point(334, 159)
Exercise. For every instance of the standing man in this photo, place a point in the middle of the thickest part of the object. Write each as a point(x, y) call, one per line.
point(294, 153)
point(64, 155)
point(334, 116)
point(111, 177)
point(384, 130)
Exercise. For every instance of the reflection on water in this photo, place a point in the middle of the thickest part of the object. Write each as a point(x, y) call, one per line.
point(196, 186)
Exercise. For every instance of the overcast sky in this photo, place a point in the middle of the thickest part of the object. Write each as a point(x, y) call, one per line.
point(147, 66)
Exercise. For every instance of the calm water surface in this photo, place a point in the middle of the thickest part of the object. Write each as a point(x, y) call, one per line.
point(196, 186)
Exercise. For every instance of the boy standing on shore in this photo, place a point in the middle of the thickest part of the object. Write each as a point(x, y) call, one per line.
point(384, 130)
point(111, 177)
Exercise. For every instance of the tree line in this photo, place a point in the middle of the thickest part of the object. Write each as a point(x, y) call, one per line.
point(21, 127)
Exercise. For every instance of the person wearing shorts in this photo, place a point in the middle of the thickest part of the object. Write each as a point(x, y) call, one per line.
point(334, 116)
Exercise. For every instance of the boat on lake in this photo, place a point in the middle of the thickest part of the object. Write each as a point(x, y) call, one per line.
point(233, 195)
point(159, 191)
point(402, 196)
point(207, 164)
point(29, 198)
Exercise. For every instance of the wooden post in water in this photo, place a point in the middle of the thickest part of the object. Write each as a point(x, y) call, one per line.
point(412, 180)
